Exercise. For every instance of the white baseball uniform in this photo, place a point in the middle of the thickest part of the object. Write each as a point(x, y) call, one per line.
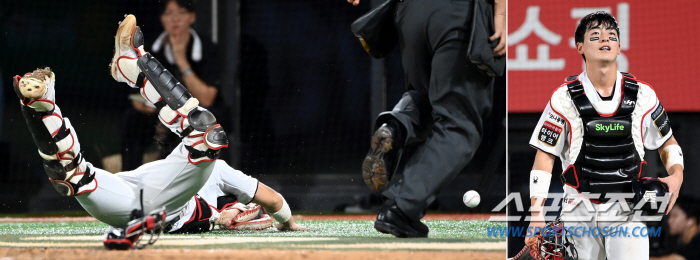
point(171, 182)
point(559, 132)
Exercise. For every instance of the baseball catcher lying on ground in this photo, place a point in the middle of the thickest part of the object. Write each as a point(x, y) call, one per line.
point(196, 190)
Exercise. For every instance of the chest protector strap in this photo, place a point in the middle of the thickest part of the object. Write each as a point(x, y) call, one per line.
point(608, 160)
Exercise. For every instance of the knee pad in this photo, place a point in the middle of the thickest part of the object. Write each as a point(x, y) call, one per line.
point(203, 136)
point(71, 180)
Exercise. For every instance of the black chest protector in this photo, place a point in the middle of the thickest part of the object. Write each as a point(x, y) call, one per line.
point(608, 160)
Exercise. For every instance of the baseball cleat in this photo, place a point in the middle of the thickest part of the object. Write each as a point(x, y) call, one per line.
point(378, 166)
point(36, 85)
point(128, 46)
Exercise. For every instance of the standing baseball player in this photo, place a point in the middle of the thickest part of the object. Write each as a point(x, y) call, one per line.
point(599, 123)
point(170, 184)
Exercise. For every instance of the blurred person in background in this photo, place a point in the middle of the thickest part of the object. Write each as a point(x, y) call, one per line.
point(683, 221)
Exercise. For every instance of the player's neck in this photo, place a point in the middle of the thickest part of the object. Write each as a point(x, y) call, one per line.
point(603, 77)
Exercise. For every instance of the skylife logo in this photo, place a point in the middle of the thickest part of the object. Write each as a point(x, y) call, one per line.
point(604, 212)
point(611, 127)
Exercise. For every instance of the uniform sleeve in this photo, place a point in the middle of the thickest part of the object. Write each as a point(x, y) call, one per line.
point(656, 127)
point(550, 133)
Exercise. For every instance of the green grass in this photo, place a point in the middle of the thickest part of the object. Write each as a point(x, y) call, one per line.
point(331, 233)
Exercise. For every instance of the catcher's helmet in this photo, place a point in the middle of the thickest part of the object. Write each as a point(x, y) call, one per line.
point(556, 244)
point(650, 191)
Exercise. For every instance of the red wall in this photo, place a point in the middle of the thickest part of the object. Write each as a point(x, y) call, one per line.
point(659, 41)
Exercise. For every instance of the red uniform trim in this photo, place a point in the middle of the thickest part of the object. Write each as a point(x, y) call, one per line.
point(171, 121)
point(120, 69)
point(59, 117)
point(575, 176)
point(641, 167)
point(226, 206)
point(189, 158)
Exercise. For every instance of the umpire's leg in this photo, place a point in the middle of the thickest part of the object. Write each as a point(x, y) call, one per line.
point(460, 97)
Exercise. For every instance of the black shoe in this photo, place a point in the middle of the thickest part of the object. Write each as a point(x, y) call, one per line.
point(392, 221)
point(379, 163)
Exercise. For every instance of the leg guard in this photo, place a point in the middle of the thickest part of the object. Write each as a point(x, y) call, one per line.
point(173, 92)
point(202, 135)
point(58, 144)
point(131, 64)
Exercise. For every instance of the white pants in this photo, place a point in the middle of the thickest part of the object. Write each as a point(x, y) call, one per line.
point(170, 182)
point(223, 181)
point(614, 245)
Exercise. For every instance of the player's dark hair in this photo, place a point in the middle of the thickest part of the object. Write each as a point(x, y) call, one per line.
point(691, 207)
point(597, 19)
point(187, 4)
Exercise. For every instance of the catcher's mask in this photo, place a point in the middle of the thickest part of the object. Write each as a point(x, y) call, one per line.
point(556, 244)
point(652, 192)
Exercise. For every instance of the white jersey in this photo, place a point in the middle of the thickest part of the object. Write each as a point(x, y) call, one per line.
point(554, 135)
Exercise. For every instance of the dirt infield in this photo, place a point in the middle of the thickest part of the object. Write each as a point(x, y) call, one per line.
point(155, 254)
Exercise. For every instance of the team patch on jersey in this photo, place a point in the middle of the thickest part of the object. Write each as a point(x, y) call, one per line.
point(661, 121)
point(555, 118)
point(549, 133)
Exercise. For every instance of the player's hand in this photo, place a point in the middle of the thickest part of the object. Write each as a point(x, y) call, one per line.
point(290, 226)
point(178, 42)
point(226, 218)
point(674, 186)
point(354, 2)
point(534, 225)
point(499, 22)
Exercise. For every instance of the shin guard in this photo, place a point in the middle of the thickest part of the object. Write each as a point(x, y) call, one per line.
point(57, 142)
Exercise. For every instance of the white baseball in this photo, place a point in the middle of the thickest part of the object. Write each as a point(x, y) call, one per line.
point(471, 198)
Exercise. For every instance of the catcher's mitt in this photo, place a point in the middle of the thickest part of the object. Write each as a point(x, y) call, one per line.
point(531, 251)
point(552, 243)
point(244, 217)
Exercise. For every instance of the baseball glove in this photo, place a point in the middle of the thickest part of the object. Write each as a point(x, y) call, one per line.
point(244, 217)
point(531, 251)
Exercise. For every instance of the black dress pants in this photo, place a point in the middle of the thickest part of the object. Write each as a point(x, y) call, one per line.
point(446, 99)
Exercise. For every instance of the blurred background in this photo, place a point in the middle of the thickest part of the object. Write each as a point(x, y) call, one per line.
point(541, 54)
point(298, 92)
